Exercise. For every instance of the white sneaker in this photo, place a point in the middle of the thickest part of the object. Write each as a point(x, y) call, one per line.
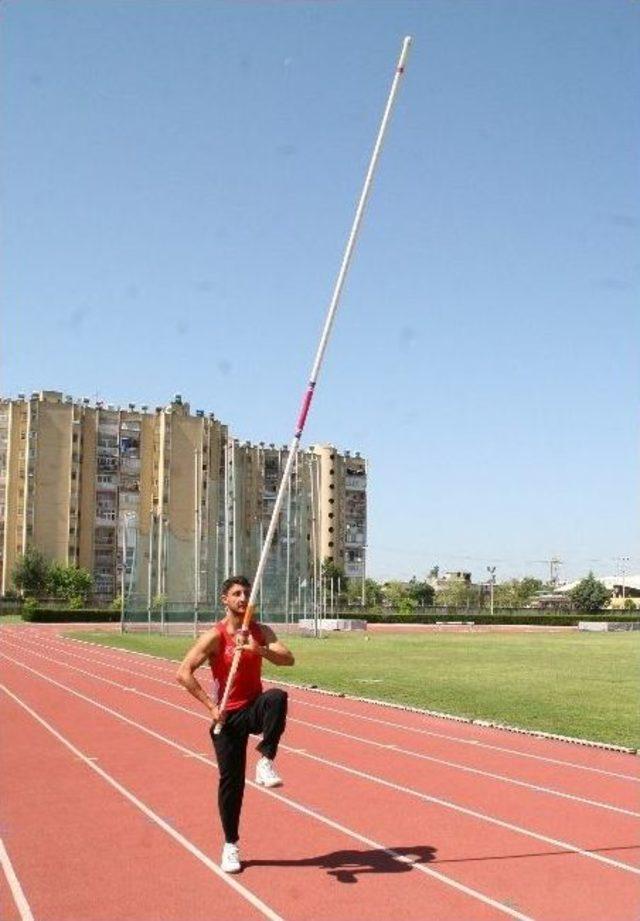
point(230, 860)
point(266, 775)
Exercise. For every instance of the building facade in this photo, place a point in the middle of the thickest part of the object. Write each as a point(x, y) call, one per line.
point(166, 503)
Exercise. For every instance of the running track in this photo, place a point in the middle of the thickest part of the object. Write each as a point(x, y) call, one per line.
point(108, 807)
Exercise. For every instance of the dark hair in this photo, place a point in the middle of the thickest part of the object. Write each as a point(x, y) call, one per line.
point(234, 580)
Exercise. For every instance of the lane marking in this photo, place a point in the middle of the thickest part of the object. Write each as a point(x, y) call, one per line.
point(536, 788)
point(471, 770)
point(131, 653)
point(428, 871)
point(483, 817)
point(450, 738)
point(14, 884)
point(165, 826)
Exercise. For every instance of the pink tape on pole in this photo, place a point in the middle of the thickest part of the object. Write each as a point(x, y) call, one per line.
point(306, 403)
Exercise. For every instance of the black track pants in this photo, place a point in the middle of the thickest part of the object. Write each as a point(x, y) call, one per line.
point(267, 715)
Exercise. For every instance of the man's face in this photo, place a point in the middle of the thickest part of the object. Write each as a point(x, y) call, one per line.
point(236, 599)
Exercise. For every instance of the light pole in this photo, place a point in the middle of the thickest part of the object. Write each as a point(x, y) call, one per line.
point(126, 517)
point(624, 561)
point(492, 581)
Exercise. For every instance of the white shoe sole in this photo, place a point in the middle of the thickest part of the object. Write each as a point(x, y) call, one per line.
point(234, 869)
point(269, 783)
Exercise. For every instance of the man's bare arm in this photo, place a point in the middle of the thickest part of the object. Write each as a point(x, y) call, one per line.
point(273, 650)
point(205, 647)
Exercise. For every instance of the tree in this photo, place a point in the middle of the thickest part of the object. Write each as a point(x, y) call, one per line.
point(434, 572)
point(69, 582)
point(395, 593)
point(30, 573)
point(517, 592)
point(372, 592)
point(421, 592)
point(589, 595)
point(331, 571)
point(459, 594)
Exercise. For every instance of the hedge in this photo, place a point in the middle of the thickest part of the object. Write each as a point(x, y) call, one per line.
point(81, 616)
point(550, 620)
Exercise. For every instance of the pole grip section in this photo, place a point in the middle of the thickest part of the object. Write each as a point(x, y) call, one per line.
point(306, 403)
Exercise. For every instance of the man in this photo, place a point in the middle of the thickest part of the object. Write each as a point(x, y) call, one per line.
point(249, 708)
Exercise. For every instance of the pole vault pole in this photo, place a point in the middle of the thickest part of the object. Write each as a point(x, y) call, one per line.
point(315, 371)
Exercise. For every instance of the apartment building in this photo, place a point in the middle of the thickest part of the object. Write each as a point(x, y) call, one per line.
point(167, 503)
point(342, 491)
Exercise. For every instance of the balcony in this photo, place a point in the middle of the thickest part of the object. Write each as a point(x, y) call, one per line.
point(107, 464)
point(107, 482)
point(354, 570)
point(130, 465)
point(355, 538)
point(129, 500)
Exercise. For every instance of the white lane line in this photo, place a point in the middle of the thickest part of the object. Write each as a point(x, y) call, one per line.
point(401, 858)
point(184, 842)
point(463, 810)
point(372, 719)
point(14, 884)
point(339, 710)
point(470, 770)
point(536, 788)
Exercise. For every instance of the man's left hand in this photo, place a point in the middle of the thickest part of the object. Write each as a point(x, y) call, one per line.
point(247, 643)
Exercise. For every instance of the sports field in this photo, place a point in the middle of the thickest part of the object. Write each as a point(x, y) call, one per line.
point(576, 684)
point(481, 823)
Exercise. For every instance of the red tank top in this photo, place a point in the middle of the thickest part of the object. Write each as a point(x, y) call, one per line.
point(247, 684)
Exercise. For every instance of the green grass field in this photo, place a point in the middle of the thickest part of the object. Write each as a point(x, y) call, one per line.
point(579, 684)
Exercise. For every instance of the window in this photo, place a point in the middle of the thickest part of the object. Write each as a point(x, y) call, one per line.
point(331, 543)
point(330, 530)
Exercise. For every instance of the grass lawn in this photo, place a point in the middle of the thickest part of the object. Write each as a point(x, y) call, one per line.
point(580, 684)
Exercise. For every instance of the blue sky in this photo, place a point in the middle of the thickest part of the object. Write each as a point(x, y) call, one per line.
point(179, 179)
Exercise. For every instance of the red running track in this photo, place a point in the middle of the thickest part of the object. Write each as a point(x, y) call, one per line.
point(108, 807)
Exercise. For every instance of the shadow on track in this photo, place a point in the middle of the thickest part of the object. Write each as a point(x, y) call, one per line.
point(345, 866)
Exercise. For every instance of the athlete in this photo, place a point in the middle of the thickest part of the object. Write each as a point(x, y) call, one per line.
point(250, 710)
